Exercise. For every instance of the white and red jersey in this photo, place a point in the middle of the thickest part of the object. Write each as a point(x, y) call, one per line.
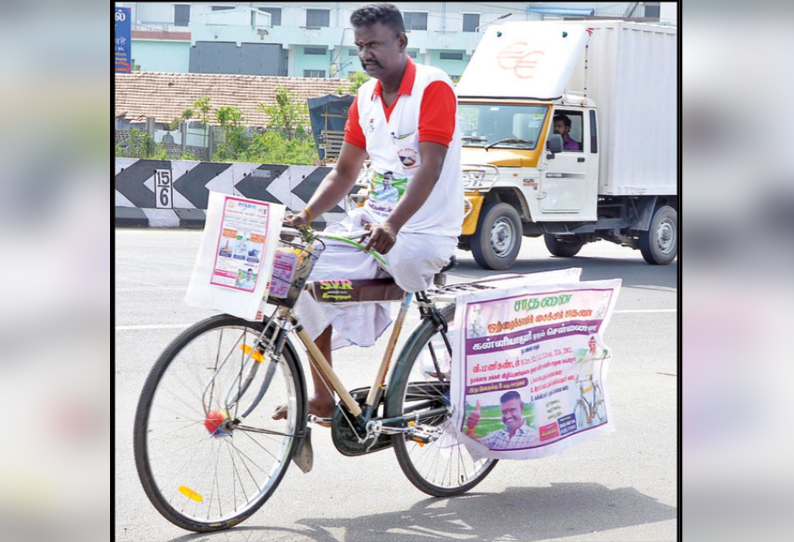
point(425, 110)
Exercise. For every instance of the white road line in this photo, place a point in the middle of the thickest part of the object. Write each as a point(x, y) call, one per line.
point(182, 326)
point(155, 289)
point(137, 281)
point(153, 326)
point(636, 311)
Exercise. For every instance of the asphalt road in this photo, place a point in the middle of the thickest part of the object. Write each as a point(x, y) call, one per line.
point(621, 487)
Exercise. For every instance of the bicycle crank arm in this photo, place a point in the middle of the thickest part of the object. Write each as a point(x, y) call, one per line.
point(401, 421)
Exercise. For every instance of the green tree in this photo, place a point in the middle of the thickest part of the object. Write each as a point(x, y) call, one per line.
point(274, 148)
point(286, 116)
point(235, 143)
point(186, 115)
point(203, 106)
point(353, 83)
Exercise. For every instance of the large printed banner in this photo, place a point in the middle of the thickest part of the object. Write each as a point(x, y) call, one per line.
point(531, 365)
point(235, 260)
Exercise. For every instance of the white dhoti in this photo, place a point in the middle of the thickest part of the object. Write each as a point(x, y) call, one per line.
point(413, 261)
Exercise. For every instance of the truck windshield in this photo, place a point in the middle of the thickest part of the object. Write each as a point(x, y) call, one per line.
point(513, 126)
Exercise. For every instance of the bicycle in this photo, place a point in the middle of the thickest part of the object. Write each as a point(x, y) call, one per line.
point(207, 451)
point(585, 411)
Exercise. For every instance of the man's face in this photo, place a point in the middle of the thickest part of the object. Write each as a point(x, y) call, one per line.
point(386, 182)
point(380, 50)
point(560, 128)
point(511, 414)
point(248, 274)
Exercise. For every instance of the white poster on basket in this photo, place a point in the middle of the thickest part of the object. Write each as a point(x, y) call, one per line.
point(235, 258)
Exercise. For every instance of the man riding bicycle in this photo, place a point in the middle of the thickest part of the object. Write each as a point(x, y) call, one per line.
point(406, 110)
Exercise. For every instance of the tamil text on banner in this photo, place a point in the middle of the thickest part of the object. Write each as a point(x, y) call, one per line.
point(235, 260)
point(531, 368)
point(123, 43)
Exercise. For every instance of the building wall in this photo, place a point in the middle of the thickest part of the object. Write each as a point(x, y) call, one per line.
point(452, 67)
point(311, 62)
point(161, 55)
point(444, 28)
point(228, 57)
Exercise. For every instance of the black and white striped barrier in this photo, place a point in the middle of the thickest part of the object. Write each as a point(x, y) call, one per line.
point(173, 193)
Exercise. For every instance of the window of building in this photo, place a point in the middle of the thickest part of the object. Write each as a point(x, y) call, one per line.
point(221, 8)
point(652, 10)
point(450, 56)
point(181, 15)
point(316, 18)
point(275, 15)
point(470, 22)
point(314, 50)
point(314, 73)
point(352, 52)
point(412, 54)
point(415, 20)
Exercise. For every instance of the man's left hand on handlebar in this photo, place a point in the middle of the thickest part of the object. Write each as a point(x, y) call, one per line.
point(381, 237)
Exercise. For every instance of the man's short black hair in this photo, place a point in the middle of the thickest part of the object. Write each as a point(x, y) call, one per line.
point(512, 394)
point(565, 120)
point(385, 14)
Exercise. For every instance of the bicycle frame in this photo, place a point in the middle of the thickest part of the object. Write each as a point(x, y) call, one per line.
point(285, 322)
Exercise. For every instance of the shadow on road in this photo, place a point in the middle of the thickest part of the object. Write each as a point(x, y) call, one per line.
point(635, 273)
point(524, 514)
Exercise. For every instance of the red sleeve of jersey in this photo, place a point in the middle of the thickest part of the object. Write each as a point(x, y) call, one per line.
point(353, 133)
point(437, 114)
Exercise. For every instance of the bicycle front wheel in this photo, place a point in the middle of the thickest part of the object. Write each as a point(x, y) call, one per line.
point(443, 467)
point(201, 465)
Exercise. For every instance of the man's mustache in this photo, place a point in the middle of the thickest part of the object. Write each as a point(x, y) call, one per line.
point(364, 64)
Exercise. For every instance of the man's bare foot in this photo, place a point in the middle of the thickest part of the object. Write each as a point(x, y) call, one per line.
point(319, 407)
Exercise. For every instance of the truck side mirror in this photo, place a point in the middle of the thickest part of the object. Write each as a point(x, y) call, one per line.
point(554, 143)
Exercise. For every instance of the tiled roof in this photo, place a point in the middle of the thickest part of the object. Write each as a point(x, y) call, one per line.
point(165, 96)
point(160, 35)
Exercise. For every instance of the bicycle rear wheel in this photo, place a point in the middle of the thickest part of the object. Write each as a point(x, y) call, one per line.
point(443, 467)
point(201, 467)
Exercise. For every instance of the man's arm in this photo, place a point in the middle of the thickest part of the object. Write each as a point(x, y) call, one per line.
point(335, 186)
point(383, 236)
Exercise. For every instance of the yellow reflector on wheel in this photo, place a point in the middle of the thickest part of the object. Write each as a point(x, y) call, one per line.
point(190, 494)
point(256, 355)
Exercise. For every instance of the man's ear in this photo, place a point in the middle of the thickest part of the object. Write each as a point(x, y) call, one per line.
point(402, 41)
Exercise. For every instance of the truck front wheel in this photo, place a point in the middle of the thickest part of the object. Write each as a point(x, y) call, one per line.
point(659, 245)
point(497, 240)
point(564, 247)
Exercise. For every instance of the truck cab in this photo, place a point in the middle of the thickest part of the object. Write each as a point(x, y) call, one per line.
point(524, 179)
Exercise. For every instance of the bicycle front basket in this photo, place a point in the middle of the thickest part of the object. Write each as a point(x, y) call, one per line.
point(291, 268)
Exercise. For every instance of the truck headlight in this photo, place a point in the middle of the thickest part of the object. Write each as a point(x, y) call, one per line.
point(479, 178)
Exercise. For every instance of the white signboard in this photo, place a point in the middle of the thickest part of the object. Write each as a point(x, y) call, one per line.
point(163, 189)
point(235, 259)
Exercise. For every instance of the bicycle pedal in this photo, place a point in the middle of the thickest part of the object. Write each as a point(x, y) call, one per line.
point(322, 422)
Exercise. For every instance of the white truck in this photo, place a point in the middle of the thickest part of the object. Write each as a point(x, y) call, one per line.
point(610, 88)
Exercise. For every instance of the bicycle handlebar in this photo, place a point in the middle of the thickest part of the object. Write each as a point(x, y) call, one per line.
point(349, 239)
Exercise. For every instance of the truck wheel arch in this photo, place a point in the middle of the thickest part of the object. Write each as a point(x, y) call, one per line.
point(512, 196)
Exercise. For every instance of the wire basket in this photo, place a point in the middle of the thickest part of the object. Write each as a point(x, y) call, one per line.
point(292, 265)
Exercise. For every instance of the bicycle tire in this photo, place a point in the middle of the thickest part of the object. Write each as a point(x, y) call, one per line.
point(580, 414)
point(180, 493)
point(407, 376)
point(600, 405)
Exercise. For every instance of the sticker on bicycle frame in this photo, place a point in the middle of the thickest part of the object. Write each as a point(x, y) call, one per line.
point(533, 366)
point(190, 494)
